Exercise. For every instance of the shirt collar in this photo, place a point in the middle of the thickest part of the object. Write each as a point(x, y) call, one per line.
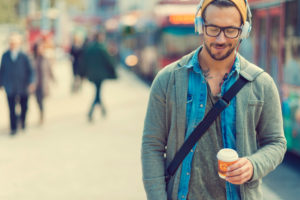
point(195, 65)
point(236, 67)
point(14, 54)
point(194, 62)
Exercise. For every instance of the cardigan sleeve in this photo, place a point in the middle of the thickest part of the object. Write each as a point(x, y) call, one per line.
point(270, 134)
point(154, 143)
point(2, 69)
point(31, 71)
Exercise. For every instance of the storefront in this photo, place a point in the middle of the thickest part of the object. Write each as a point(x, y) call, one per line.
point(275, 44)
point(268, 36)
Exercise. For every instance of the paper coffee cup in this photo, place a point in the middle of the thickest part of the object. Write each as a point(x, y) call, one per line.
point(226, 157)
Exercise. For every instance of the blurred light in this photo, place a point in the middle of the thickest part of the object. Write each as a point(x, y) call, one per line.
point(53, 13)
point(131, 60)
point(182, 19)
point(129, 20)
point(111, 24)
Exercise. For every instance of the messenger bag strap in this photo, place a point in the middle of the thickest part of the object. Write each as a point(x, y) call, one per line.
point(199, 131)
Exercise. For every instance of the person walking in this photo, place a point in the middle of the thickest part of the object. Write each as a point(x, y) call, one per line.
point(17, 77)
point(97, 65)
point(76, 53)
point(44, 75)
point(180, 98)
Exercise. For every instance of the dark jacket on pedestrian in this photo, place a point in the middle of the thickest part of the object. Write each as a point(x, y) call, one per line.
point(76, 52)
point(16, 75)
point(97, 64)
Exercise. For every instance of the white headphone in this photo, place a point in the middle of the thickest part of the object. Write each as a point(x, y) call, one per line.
point(246, 28)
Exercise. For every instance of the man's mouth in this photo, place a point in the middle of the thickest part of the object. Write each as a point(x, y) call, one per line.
point(217, 46)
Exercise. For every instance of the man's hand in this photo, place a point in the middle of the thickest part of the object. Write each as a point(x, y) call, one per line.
point(240, 172)
point(31, 88)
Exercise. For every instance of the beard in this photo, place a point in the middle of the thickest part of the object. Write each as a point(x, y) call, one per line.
point(216, 56)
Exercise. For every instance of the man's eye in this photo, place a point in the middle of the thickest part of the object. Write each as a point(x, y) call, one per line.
point(231, 30)
point(214, 29)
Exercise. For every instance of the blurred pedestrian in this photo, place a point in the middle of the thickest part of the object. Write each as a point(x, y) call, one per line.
point(49, 48)
point(185, 91)
point(97, 66)
point(44, 75)
point(76, 53)
point(17, 77)
point(81, 62)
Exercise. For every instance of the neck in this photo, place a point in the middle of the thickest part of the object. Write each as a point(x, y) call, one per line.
point(14, 50)
point(218, 66)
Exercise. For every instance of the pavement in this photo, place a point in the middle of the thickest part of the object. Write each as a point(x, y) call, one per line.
point(68, 158)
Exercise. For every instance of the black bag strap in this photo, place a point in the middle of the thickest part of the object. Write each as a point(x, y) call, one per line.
point(199, 131)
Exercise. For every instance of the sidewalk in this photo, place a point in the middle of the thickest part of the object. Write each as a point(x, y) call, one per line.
point(70, 159)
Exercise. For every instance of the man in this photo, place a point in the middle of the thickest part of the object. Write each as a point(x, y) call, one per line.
point(182, 94)
point(97, 66)
point(17, 77)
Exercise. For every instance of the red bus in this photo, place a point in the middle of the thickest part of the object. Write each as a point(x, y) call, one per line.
point(173, 36)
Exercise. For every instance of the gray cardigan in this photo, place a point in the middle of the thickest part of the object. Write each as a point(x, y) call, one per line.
point(259, 128)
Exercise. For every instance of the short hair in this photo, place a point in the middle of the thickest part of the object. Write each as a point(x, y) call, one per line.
point(220, 4)
point(15, 37)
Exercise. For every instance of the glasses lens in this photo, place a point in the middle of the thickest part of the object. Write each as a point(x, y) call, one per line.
point(231, 32)
point(212, 31)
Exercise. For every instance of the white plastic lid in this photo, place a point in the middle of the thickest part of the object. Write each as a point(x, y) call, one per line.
point(227, 155)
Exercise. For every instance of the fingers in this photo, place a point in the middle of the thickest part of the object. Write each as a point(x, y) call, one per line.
point(240, 172)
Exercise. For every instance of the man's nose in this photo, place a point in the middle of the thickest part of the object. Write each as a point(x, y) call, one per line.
point(221, 38)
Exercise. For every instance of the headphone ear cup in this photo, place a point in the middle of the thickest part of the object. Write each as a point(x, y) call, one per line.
point(198, 25)
point(245, 30)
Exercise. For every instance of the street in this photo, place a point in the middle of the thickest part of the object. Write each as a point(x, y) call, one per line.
point(284, 181)
point(69, 158)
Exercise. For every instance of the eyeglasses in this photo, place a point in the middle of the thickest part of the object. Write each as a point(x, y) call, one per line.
point(229, 32)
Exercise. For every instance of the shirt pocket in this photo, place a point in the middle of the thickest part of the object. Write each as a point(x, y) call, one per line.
point(254, 110)
point(256, 103)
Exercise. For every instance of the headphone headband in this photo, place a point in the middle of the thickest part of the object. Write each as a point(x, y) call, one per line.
point(246, 28)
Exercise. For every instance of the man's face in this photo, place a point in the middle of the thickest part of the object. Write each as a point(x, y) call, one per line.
point(220, 47)
point(15, 42)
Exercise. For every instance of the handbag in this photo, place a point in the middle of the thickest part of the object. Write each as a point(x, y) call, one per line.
point(202, 127)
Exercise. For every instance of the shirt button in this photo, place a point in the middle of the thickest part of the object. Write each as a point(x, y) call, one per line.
point(192, 150)
point(187, 174)
point(201, 105)
point(182, 196)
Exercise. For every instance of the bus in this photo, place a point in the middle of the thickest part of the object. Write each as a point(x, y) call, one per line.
point(167, 35)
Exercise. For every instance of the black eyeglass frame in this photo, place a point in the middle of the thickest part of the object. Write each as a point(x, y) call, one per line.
point(223, 29)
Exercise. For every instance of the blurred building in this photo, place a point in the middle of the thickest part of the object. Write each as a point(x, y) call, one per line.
point(271, 20)
point(102, 8)
point(274, 45)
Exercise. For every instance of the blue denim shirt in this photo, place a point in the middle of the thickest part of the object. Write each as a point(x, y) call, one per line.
point(194, 115)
